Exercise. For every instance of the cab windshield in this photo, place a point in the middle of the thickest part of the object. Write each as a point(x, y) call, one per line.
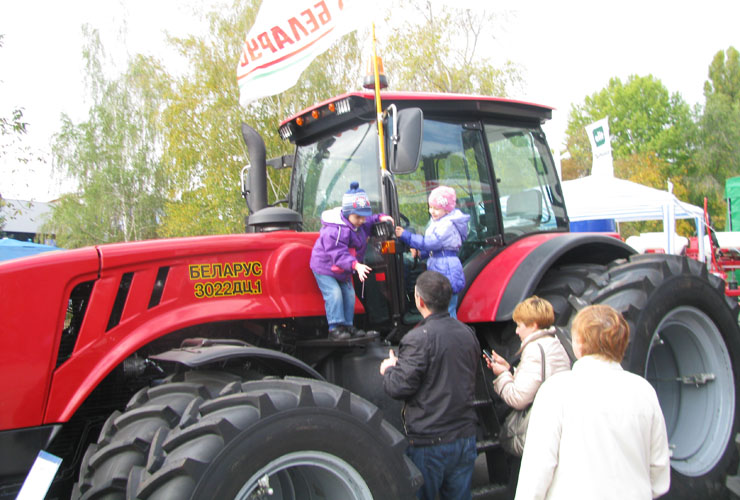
point(324, 170)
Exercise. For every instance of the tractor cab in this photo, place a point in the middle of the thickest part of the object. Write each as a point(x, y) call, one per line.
point(491, 151)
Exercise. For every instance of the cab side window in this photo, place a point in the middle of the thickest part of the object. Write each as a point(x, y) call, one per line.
point(523, 181)
point(453, 155)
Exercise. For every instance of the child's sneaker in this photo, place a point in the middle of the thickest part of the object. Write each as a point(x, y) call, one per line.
point(339, 333)
point(356, 333)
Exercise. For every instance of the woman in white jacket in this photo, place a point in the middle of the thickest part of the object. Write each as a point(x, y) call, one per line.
point(596, 431)
point(534, 318)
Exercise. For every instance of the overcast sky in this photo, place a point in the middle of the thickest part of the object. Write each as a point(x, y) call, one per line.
point(567, 50)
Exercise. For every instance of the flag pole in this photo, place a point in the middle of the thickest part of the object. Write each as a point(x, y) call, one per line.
point(378, 107)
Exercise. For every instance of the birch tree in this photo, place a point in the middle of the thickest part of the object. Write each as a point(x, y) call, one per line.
point(436, 48)
point(114, 155)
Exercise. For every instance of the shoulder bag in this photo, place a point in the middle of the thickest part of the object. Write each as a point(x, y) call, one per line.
point(514, 430)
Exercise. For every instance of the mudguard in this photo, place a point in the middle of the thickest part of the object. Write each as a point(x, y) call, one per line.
point(207, 351)
point(511, 275)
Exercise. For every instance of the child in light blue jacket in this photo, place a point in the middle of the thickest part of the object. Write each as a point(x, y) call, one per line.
point(442, 240)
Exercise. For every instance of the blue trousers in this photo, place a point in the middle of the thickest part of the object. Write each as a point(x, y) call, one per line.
point(452, 308)
point(339, 300)
point(447, 469)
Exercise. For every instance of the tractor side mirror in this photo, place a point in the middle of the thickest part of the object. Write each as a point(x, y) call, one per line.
point(406, 140)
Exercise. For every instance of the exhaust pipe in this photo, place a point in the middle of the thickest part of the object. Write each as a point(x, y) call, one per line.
point(256, 189)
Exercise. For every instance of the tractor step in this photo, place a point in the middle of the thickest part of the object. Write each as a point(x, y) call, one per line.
point(325, 342)
point(491, 492)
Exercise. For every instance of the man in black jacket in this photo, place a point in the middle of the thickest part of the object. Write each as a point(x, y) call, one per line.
point(434, 374)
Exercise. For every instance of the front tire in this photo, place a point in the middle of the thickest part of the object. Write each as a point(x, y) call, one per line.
point(126, 437)
point(684, 340)
point(297, 438)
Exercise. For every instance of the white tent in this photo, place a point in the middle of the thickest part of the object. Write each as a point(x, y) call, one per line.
point(604, 197)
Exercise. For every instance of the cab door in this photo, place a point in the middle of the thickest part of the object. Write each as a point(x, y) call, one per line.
point(453, 154)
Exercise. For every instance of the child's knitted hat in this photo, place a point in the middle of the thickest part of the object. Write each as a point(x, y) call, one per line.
point(443, 197)
point(355, 201)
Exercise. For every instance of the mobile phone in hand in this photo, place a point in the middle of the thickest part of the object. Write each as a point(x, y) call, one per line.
point(488, 354)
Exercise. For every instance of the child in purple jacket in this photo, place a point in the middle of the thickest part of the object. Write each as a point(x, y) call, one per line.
point(337, 253)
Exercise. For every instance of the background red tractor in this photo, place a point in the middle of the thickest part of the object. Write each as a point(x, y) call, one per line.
point(199, 367)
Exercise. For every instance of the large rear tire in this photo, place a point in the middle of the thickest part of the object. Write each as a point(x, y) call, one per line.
point(684, 340)
point(296, 438)
point(126, 437)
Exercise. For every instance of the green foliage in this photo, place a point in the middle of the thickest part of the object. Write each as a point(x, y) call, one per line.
point(14, 124)
point(718, 156)
point(643, 117)
point(113, 156)
point(724, 75)
point(438, 51)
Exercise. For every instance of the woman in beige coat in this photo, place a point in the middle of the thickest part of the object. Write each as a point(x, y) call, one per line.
point(534, 318)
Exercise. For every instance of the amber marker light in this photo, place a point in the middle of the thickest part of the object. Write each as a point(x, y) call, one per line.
point(299, 121)
point(332, 108)
point(388, 247)
point(315, 114)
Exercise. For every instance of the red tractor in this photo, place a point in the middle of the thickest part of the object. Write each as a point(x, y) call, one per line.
point(199, 367)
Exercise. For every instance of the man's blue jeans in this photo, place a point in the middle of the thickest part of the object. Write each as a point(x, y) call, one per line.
point(447, 469)
point(339, 300)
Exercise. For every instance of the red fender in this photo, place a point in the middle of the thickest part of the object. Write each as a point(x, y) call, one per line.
point(513, 273)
